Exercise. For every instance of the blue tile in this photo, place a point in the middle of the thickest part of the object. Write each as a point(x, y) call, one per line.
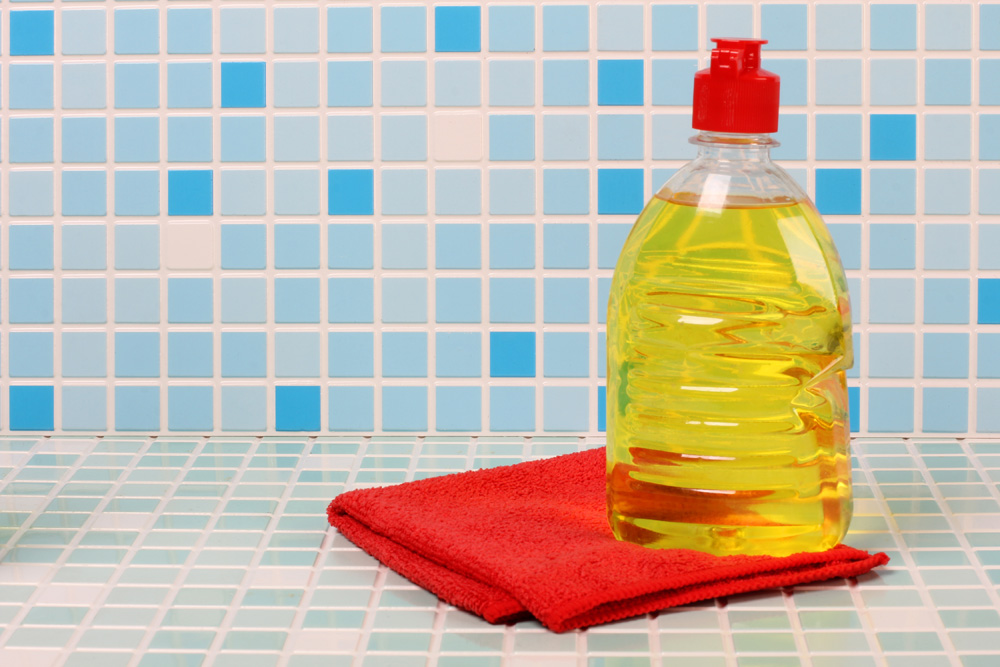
point(244, 408)
point(512, 84)
point(567, 354)
point(350, 246)
point(296, 84)
point(891, 300)
point(404, 408)
point(296, 354)
point(893, 136)
point(189, 138)
point(458, 300)
point(84, 408)
point(457, 246)
point(989, 246)
point(30, 354)
point(404, 191)
point(457, 191)
point(297, 408)
point(988, 409)
point(137, 408)
point(890, 355)
point(512, 300)
point(947, 191)
point(566, 246)
point(792, 136)
point(244, 354)
point(404, 354)
point(512, 191)
point(84, 300)
point(512, 29)
point(189, 192)
point(296, 192)
point(565, 83)
point(989, 16)
point(566, 409)
point(890, 409)
point(989, 195)
point(619, 82)
point(189, 85)
point(30, 139)
point(619, 191)
point(189, 409)
point(404, 84)
point(512, 246)
point(666, 73)
point(189, 300)
point(458, 354)
point(189, 30)
point(349, 30)
point(620, 137)
point(946, 409)
point(351, 354)
point(946, 355)
point(457, 29)
point(84, 247)
point(948, 28)
point(893, 191)
point(30, 85)
point(459, 409)
point(296, 246)
point(602, 409)
point(296, 30)
point(403, 29)
point(296, 300)
point(619, 27)
point(350, 300)
point(784, 27)
point(893, 82)
point(948, 81)
point(243, 30)
point(404, 138)
point(565, 27)
point(137, 31)
point(137, 354)
point(610, 241)
point(670, 135)
point(512, 354)
point(729, 20)
point(512, 408)
point(847, 237)
point(893, 27)
point(32, 32)
point(838, 81)
point(566, 137)
point(794, 79)
point(84, 139)
point(84, 32)
point(603, 294)
point(137, 300)
point(838, 27)
point(29, 300)
point(31, 408)
point(352, 191)
point(243, 85)
point(946, 300)
point(243, 138)
point(404, 300)
point(854, 403)
point(947, 136)
point(892, 246)
point(244, 300)
point(989, 79)
point(30, 193)
point(84, 192)
point(675, 27)
point(189, 354)
point(838, 191)
point(567, 300)
point(352, 409)
point(457, 83)
point(244, 246)
point(512, 137)
point(989, 301)
point(988, 355)
point(946, 246)
point(30, 247)
point(137, 86)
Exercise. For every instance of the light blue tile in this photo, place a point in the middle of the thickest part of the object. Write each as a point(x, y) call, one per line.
point(84, 300)
point(947, 191)
point(404, 300)
point(838, 27)
point(946, 355)
point(619, 27)
point(296, 29)
point(669, 81)
point(890, 355)
point(512, 300)
point(349, 138)
point(189, 408)
point(30, 85)
point(989, 246)
point(189, 30)
point(137, 246)
point(349, 30)
point(512, 246)
point(244, 408)
point(296, 354)
point(296, 300)
point(242, 138)
point(404, 408)
point(946, 246)
point(30, 354)
point(946, 409)
point(84, 32)
point(137, 31)
point(512, 191)
point(459, 408)
point(404, 191)
point(512, 137)
point(350, 246)
point(893, 191)
point(30, 139)
point(458, 191)
point(729, 20)
point(512, 28)
point(457, 246)
point(84, 139)
point(893, 81)
point(189, 300)
point(137, 300)
point(566, 354)
point(946, 300)
point(620, 137)
point(670, 137)
point(893, 27)
point(847, 237)
point(565, 83)
point(84, 354)
point(459, 354)
point(30, 247)
point(296, 191)
point(352, 409)
point(137, 86)
point(792, 135)
point(242, 29)
point(404, 137)
point(351, 354)
point(457, 83)
point(404, 83)
point(566, 246)
point(244, 354)
point(784, 27)
point(838, 82)
point(84, 193)
point(84, 408)
point(948, 81)
point(513, 408)
point(84, 247)
point(838, 136)
point(296, 84)
point(566, 191)
point(350, 300)
point(30, 193)
point(890, 409)
point(891, 300)
point(137, 193)
point(566, 300)
point(458, 300)
point(947, 136)
point(565, 28)
point(189, 85)
point(84, 86)
point(512, 83)
point(403, 29)
point(189, 354)
point(989, 195)
point(30, 300)
point(404, 246)
point(675, 27)
point(892, 246)
point(567, 137)
point(566, 408)
point(189, 138)
point(988, 409)
point(404, 354)
point(947, 27)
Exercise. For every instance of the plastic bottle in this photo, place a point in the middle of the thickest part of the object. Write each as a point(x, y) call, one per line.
point(729, 333)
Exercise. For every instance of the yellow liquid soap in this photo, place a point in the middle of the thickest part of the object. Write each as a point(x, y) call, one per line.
point(728, 339)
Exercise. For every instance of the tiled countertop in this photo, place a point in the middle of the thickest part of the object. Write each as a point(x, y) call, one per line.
point(124, 552)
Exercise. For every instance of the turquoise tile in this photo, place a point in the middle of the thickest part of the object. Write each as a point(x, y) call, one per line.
point(96, 659)
point(758, 620)
point(182, 639)
point(32, 555)
point(983, 539)
point(939, 558)
point(192, 618)
point(764, 642)
point(837, 641)
point(49, 615)
point(364, 578)
point(150, 575)
point(180, 522)
point(975, 641)
point(40, 637)
point(973, 506)
point(970, 618)
point(342, 598)
point(700, 642)
point(891, 598)
point(257, 640)
point(97, 556)
point(246, 660)
point(172, 660)
point(220, 557)
point(288, 558)
point(473, 642)
point(407, 598)
point(16, 593)
point(73, 504)
point(112, 638)
point(960, 597)
point(88, 574)
point(822, 598)
point(462, 661)
point(399, 641)
point(894, 642)
point(45, 538)
point(273, 597)
point(127, 616)
point(829, 619)
point(250, 507)
point(334, 618)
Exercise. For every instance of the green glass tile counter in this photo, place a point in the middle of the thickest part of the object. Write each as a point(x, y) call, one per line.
point(163, 552)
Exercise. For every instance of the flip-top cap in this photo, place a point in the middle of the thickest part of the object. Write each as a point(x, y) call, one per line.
point(735, 94)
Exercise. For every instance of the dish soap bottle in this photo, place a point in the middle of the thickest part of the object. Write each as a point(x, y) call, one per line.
point(729, 334)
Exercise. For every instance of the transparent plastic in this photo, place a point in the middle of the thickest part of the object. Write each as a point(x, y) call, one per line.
point(729, 334)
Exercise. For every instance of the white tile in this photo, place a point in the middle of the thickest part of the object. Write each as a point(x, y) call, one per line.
point(190, 246)
point(458, 137)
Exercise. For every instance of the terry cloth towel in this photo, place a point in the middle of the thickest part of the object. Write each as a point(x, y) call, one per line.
point(533, 539)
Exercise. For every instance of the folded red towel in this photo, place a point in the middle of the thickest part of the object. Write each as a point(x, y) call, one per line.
point(533, 539)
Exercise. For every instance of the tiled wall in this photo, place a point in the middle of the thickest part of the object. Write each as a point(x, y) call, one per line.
point(290, 216)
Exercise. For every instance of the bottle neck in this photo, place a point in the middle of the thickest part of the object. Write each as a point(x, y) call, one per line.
point(733, 147)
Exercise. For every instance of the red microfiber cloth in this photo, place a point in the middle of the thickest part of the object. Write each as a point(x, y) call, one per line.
point(533, 539)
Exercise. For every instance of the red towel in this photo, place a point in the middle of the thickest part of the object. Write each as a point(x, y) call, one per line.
point(533, 540)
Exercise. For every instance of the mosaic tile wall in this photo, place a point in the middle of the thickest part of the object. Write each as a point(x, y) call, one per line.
point(291, 216)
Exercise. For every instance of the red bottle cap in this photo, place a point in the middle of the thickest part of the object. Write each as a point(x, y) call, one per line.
point(735, 94)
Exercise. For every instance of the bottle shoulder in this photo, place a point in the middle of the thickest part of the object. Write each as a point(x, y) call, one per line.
point(742, 183)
